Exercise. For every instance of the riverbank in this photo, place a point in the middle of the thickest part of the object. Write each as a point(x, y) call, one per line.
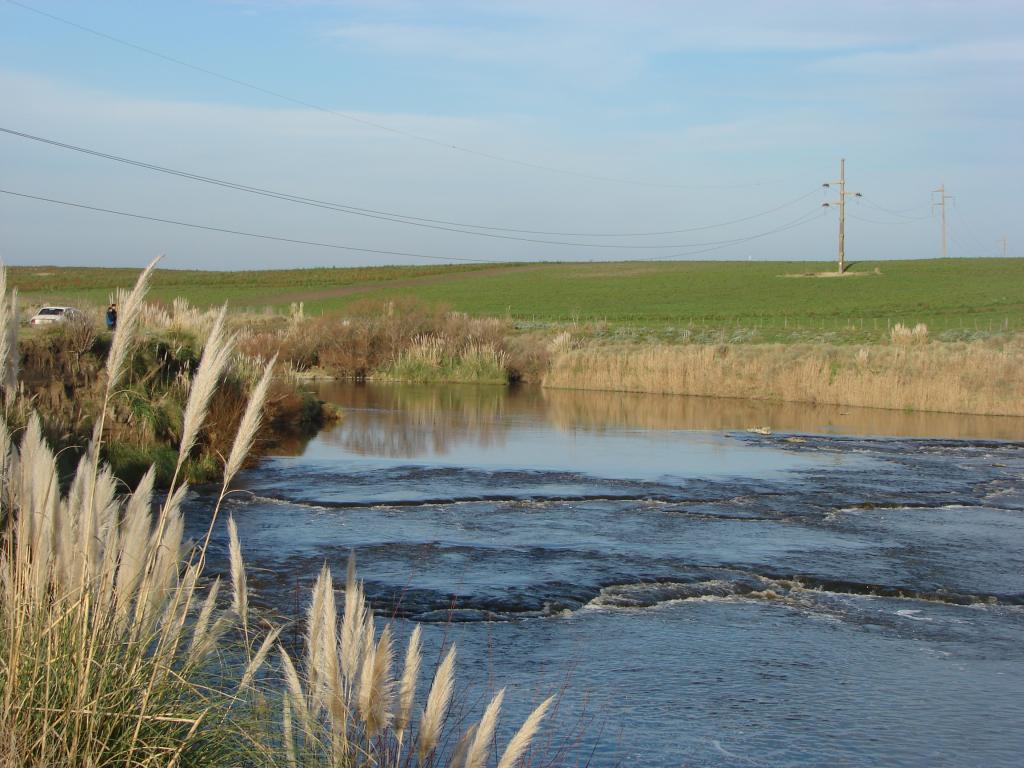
point(63, 379)
point(981, 378)
point(900, 368)
point(970, 367)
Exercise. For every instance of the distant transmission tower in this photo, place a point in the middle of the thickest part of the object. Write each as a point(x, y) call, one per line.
point(841, 202)
point(941, 203)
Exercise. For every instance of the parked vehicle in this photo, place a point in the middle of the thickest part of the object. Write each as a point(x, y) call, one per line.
point(48, 315)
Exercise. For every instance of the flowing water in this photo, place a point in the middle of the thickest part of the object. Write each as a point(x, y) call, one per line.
point(847, 589)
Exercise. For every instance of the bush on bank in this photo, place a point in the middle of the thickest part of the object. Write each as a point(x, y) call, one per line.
point(62, 375)
point(402, 339)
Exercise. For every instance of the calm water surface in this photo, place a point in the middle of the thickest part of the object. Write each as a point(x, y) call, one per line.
point(847, 590)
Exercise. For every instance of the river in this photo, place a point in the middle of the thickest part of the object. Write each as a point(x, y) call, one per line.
point(843, 588)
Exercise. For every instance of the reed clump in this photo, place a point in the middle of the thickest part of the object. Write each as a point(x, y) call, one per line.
point(972, 378)
point(116, 650)
point(444, 358)
point(107, 639)
point(904, 334)
point(348, 703)
point(401, 339)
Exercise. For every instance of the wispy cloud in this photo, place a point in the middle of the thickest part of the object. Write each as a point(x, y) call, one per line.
point(998, 51)
point(481, 43)
point(423, 40)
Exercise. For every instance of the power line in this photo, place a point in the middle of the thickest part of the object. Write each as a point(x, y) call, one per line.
point(362, 120)
point(416, 221)
point(970, 231)
point(805, 219)
point(227, 231)
point(224, 230)
point(876, 221)
point(964, 249)
point(901, 213)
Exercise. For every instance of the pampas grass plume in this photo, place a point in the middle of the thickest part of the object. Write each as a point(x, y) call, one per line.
point(407, 688)
point(293, 684)
point(239, 589)
point(128, 317)
point(201, 629)
point(249, 425)
point(352, 624)
point(257, 660)
point(322, 640)
point(437, 705)
point(215, 360)
point(477, 755)
point(518, 744)
point(8, 337)
point(376, 685)
point(461, 747)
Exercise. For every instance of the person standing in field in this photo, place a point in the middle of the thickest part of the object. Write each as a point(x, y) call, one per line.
point(112, 317)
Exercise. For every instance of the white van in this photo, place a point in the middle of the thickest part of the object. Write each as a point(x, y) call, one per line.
point(48, 315)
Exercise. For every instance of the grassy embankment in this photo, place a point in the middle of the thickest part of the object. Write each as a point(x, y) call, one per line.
point(115, 650)
point(61, 370)
point(762, 329)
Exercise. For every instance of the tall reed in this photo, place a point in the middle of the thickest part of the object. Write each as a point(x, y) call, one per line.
point(8, 338)
point(103, 661)
point(954, 377)
point(346, 706)
point(116, 651)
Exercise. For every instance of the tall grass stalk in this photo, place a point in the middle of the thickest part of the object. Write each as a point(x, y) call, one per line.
point(8, 338)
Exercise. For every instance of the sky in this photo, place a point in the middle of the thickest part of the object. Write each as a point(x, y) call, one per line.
point(600, 122)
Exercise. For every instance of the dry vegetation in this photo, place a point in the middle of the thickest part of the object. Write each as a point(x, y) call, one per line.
point(116, 651)
point(62, 377)
point(410, 341)
point(407, 340)
point(910, 373)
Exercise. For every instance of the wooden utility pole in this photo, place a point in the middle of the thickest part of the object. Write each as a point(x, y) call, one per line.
point(941, 202)
point(841, 202)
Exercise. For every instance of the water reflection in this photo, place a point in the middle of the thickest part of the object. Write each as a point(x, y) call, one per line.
point(597, 410)
point(522, 429)
point(407, 421)
point(398, 421)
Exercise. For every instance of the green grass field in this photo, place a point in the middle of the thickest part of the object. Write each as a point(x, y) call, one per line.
point(777, 298)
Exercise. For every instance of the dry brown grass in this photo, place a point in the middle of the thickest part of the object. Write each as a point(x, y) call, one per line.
point(375, 336)
point(904, 334)
point(972, 378)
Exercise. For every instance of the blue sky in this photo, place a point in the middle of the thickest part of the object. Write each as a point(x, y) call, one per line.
point(668, 116)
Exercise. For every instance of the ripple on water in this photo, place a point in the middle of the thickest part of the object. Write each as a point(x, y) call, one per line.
point(722, 600)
